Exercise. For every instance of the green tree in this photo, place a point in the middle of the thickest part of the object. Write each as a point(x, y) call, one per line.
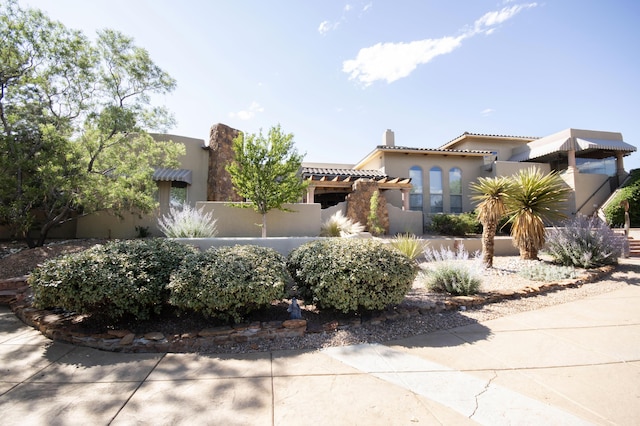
point(74, 116)
point(266, 171)
point(491, 195)
point(536, 198)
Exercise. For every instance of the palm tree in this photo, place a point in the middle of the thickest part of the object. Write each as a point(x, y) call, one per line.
point(536, 198)
point(491, 193)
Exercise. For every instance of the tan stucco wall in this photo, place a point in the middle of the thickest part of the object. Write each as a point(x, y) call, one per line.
point(507, 168)
point(503, 147)
point(303, 221)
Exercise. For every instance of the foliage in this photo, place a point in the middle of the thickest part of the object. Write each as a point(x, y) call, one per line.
point(409, 245)
point(338, 225)
point(614, 212)
point(266, 171)
point(351, 274)
point(142, 232)
point(539, 271)
point(446, 254)
point(454, 224)
point(373, 222)
point(536, 198)
point(456, 279)
point(188, 222)
point(73, 120)
point(120, 278)
point(584, 242)
point(229, 282)
point(491, 195)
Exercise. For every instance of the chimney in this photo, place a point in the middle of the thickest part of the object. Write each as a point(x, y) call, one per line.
point(388, 139)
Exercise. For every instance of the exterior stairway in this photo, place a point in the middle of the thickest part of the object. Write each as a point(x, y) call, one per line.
point(634, 247)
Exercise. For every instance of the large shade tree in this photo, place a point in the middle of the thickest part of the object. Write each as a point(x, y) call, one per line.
point(266, 171)
point(74, 117)
point(491, 195)
point(536, 198)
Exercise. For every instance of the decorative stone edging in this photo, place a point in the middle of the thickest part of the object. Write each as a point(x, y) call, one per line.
point(54, 325)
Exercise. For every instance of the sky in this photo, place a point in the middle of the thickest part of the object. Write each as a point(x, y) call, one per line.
point(337, 74)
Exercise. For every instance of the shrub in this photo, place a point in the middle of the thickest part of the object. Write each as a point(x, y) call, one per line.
point(338, 225)
point(539, 271)
point(584, 242)
point(457, 279)
point(351, 274)
point(373, 222)
point(119, 278)
point(229, 282)
point(452, 271)
point(188, 222)
point(455, 224)
point(614, 212)
point(409, 245)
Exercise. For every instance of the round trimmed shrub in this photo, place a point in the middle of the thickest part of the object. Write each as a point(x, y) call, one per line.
point(119, 278)
point(351, 275)
point(229, 282)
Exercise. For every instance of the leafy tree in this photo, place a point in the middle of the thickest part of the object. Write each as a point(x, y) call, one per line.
point(73, 122)
point(630, 192)
point(266, 171)
point(534, 200)
point(492, 194)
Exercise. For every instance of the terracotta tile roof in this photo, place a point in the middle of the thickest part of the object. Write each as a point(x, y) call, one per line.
point(331, 173)
point(435, 150)
point(486, 135)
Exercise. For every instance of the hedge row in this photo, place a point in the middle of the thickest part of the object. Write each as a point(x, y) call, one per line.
point(140, 277)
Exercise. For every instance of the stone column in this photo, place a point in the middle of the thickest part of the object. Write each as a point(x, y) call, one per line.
point(620, 165)
point(571, 154)
point(219, 186)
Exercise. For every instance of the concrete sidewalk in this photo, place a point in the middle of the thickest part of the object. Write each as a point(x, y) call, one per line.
point(576, 363)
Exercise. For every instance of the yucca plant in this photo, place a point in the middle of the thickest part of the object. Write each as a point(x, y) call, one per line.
point(491, 193)
point(338, 225)
point(188, 222)
point(409, 245)
point(536, 198)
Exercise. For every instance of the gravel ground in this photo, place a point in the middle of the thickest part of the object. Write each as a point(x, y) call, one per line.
point(16, 261)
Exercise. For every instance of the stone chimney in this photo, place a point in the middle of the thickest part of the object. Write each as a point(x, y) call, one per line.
point(388, 139)
point(219, 186)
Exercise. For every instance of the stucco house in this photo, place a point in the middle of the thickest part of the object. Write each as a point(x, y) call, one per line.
point(416, 182)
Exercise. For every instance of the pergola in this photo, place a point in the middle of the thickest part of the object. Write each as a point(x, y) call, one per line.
point(340, 181)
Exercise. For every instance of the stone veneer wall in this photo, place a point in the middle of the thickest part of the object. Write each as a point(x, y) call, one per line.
point(219, 186)
point(359, 202)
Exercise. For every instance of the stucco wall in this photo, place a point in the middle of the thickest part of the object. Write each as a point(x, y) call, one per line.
point(303, 221)
point(585, 192)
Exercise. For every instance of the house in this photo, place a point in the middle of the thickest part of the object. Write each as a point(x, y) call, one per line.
point(416, 182)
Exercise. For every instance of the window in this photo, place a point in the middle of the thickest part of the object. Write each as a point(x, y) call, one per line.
point(435, 189)
point(178, 194)
point(455, 190)
point(415, 195)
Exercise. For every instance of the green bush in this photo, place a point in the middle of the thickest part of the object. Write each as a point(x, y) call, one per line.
point(584, 242)
point(229, 282)
point(119, 278)
point(455, 224)
point(351, 274)
point(538, 271)
point(614, 213)
point(188, 222)
point(457, 279)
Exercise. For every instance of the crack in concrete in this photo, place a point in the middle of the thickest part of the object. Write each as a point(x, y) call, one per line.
point(486, 388)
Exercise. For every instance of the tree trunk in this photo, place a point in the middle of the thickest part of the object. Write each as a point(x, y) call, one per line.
point(488, 243)
point(528, 252)
point(264, 225)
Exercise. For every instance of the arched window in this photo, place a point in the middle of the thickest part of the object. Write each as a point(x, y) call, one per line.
point(455, 190)
point(435, 190)
point(415, 195)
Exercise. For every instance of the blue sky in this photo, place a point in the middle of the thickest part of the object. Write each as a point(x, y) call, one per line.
point(336, 74)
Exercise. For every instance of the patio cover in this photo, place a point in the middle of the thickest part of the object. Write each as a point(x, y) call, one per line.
point(604, 144)
point(173, 175)
point(542, 147)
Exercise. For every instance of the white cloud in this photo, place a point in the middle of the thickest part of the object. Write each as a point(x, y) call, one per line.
point(488, 111)
point(367, 7)
point(249, 113)
point(393, 61)
point(347, 7)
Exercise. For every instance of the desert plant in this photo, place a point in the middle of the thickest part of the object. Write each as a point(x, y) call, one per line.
point(454, 224)
point(350, 275)
point(491, 193)
point(456, 279)
point(373, 222)
point(539, 271)
point(536, 197)
point(584, 242)
point(447, 254)
point(338, 225)
point(229, 282)
point(119, 278)
point(409, 245)
point(188, 222)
